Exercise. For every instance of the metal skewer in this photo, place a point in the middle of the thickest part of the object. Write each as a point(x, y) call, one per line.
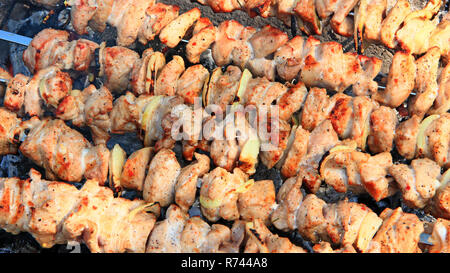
point(14, 38)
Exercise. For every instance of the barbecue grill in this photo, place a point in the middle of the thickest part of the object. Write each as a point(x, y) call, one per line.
point(25, 19)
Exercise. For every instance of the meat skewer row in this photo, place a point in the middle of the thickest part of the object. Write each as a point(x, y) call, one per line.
point(309, 58)
point(345, 169)
point(151, 75)
point(130, 113)
point(298, 147)
point(51, 89)
point(63, 152)
point(374, 20)
point(119, 64)
point(180, 234)
point(351, 225)
point(394, 24)
point(364, 121)
point(58, 213)
point(345, 223)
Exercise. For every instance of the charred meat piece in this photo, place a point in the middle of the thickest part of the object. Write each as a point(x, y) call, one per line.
point(159, 185)
point(91, 108)
point(56, 213)
point(399, 233)
point(66, 155)
point(417, 182)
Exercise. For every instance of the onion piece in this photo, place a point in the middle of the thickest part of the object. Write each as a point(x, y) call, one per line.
point(422, 147)
point(245, 186)
point(243, 82)
point(116, 162)
point(210, 203)
point(149, 208)
point(215, 75)
point(333, 152)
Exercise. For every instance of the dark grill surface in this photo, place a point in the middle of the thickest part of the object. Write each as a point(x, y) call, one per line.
point(25, 19)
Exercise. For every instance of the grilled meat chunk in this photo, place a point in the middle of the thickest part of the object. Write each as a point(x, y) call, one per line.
point(417, 182)
point(159, 185)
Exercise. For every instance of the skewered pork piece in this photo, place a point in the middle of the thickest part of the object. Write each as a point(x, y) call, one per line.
point(429, 138)
point(231, 197)
point(422, 76)
point(180, 234)
point(66, 155)
point(440, 237)
point(345, 223)
point(45, 89)
point(51, 89)
point(52, 47)
point(375, 21)
point(440, 205)
point(261, 240)
point(57, 213)
point(159, 177)
point(346, 169)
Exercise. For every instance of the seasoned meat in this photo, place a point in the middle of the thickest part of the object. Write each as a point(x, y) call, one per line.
point(392, 22)
point(382, 130)
point(289, 58)
point(406, 137)
point(289, 199)
point(218, 196)
point(291, 101)
point(159, 185)
point(56, 213)
point(157, 17)
point(316, 108)
point(426, 83)
point(66, 155)
point(261, 240)
point(91, 108)
point(180, 234)
point(440, 205)
point(257, 202)
point(190, 84)
point(204, 35)
point(440, 237)
point(186, 185)
point(399, 232)
point(134, 169)
point(174, 31)
point(437, 141)
point(401, 79)
point(15, 93)
point(442, 102)
point(417, 182)
point(166, 235)
point(166, 83)
point(116, 65)
point(9, 122)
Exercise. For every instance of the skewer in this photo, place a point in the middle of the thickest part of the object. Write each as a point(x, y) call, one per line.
point(14, 38)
